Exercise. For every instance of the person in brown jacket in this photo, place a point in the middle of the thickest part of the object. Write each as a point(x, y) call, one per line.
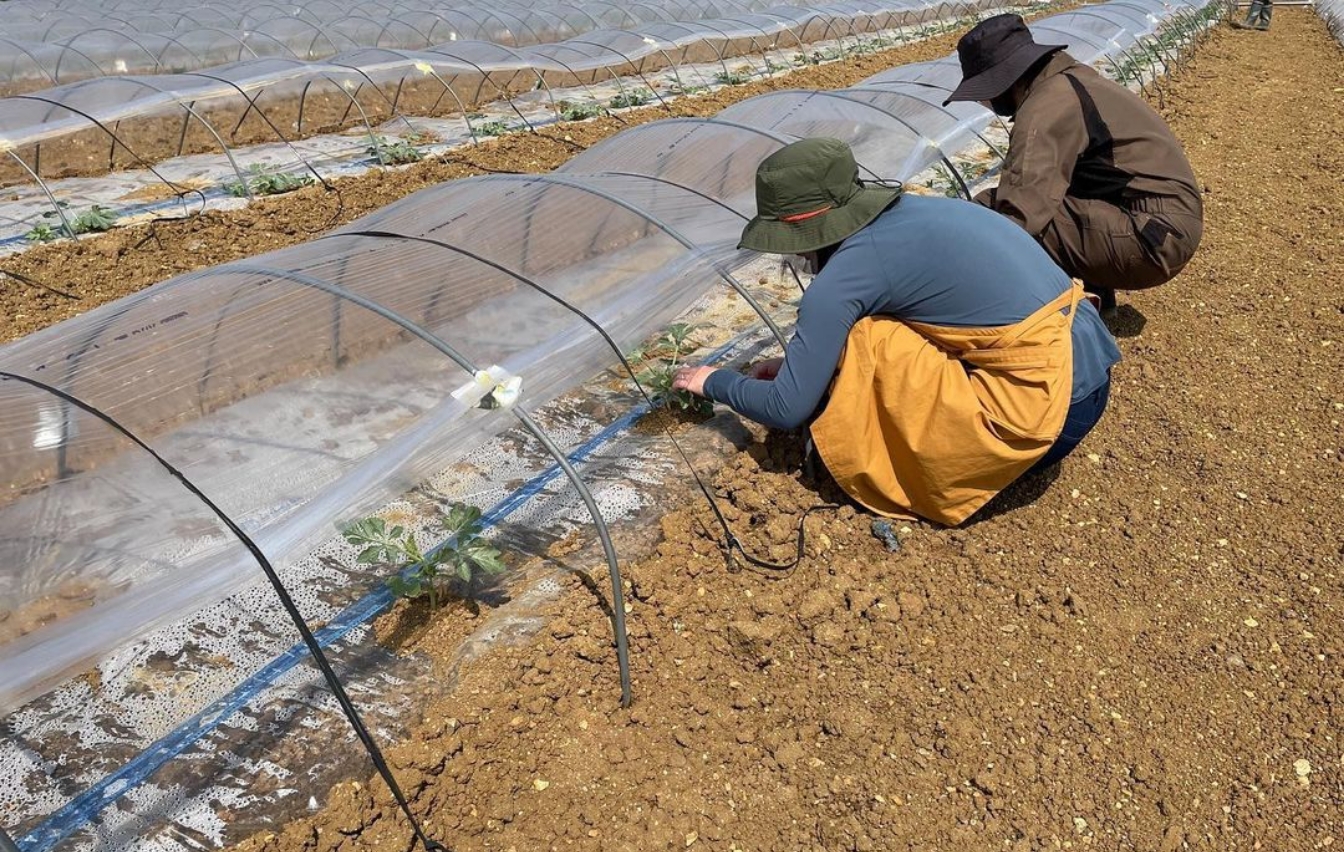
point(1092, 172)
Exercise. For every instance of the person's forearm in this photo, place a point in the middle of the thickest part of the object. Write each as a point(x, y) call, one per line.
point(759, 400)
point(830, 307)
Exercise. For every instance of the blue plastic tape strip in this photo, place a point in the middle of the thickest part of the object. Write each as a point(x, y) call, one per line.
point(82, 809)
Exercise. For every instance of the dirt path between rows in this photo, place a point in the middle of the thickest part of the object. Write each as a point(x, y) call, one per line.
point(1144, 655)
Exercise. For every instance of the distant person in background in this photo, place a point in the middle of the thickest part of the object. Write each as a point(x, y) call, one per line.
point(1257, 17)
point(1092, 172)
point(956, 356)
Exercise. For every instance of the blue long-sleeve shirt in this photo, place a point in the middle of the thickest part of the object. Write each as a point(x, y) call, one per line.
point(932, 260)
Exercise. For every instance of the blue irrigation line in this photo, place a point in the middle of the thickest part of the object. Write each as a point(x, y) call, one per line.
point(81, 810)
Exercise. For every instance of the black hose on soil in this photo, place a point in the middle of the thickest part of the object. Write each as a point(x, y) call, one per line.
point(36, 285)
point(319, 656)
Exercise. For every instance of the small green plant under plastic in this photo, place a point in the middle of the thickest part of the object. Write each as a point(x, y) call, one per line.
point(394, 153)
point(42, 233)
point(660, 359)
point(94, 220)
point(579, 111)
point(974, 170)
point(691, 89)
point(732, 78)
point(946, 180)
point(262, 183)
point(465, 556)
point(632, 98)
point(493, 127)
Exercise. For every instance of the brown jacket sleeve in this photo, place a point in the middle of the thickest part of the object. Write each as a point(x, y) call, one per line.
point(1048, 136)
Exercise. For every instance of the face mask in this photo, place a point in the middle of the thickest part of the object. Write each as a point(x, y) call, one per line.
point(1003, 105)
point(824, 254)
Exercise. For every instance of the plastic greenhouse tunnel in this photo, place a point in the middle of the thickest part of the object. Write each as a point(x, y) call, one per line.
point(169, 453)
point(76, 41)
point(106, 116)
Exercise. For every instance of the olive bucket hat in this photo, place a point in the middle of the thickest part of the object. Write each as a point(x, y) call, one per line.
point(994, 55)
point(809, 196)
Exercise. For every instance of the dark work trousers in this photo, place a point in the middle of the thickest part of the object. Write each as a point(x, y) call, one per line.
point(1123, 248)
point(1082, 416)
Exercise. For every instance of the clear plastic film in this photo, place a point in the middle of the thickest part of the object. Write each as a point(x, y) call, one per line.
point(123, 40)
point(1333, 13)
point(313, 385)
point(99, 100)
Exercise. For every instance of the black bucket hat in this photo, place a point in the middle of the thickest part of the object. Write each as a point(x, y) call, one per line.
point(994, 55)
point(809, 196)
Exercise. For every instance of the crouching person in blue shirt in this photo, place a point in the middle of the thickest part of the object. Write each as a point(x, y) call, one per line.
point(952, 353)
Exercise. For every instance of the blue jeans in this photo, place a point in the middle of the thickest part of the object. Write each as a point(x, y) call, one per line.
point(1083, 415)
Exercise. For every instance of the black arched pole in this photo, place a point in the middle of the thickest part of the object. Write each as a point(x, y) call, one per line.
point(116, 140)
point(613, 565)
point(314, 647)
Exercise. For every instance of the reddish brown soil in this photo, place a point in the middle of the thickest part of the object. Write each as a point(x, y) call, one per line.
point(1144, 655)
point(99, 269)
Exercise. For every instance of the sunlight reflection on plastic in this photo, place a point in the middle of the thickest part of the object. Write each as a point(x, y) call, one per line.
point(52, 429)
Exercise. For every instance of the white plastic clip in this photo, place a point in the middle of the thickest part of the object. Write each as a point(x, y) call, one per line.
point(492, 388)
point(505, 394)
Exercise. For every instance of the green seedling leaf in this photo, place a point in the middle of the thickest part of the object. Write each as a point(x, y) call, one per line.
point(394, 153)
point(571, 111)
point(406, 587)
point(95, 219)
point(378, 544)
point(632, 98)
point(262, 183)
point(461, 520)
point(409, 547)
point(484, 557)
point(732, 78)
point(41, 233)
point(493, 128)
point(369, 555)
